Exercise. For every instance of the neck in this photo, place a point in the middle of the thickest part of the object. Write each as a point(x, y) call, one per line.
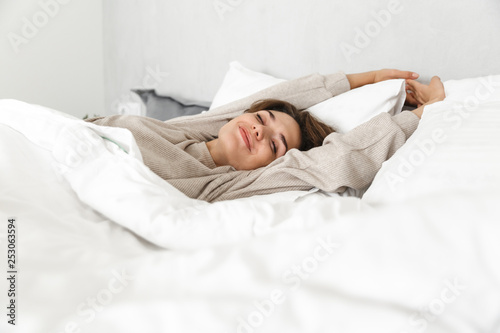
point(213, 149)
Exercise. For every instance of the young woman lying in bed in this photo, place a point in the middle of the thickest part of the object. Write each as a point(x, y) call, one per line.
point(265, 143)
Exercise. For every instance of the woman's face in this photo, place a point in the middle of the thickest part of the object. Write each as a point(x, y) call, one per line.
point(254, 140)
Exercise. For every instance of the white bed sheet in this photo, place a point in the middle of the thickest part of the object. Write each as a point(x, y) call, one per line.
point(426, 264)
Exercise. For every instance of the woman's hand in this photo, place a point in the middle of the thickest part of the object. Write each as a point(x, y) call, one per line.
point(419, 94)
point(425, 94)
point(391, 74)
point(360, 79)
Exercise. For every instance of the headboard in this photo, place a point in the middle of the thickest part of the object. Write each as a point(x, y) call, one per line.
point(182, 48)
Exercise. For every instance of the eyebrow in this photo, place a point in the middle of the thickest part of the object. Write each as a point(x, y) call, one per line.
point(282, 137)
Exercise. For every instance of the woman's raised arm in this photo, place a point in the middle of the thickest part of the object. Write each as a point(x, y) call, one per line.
point(302, 93)
point(360, 79)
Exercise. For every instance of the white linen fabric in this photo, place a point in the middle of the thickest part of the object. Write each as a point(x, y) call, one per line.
point(343, 112)
point(456, 146)
point(290, 262)
point(240, 82)
point(121, 187)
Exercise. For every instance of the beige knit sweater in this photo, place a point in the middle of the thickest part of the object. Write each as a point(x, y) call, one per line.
point(176, 149)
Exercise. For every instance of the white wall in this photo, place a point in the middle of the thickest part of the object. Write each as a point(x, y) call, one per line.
point(59, 63)
point(190, 43)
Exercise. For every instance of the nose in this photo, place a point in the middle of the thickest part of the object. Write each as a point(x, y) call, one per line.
point(259, 131)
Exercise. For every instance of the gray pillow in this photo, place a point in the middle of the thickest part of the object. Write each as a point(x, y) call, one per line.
point(166, 107)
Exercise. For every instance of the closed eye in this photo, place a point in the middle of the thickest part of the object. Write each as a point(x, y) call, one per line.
point(282, 137)
point(273, 144)
point(274, 147)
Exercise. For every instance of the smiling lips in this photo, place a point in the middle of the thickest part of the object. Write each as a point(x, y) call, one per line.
point(246, 137)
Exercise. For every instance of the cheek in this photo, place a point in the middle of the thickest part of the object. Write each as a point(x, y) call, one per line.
point(242, 160)
point(233, 151)
point(263, 158)
point(227, 137)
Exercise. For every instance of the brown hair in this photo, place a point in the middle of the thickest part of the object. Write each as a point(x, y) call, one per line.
point(312, 131)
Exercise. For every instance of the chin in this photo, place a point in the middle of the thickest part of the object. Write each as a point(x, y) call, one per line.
point(240, 167)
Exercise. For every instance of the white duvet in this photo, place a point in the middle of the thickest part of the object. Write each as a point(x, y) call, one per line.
point(89, 215)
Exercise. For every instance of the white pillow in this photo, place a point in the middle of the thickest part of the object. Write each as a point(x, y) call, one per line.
point(241, 82)
point(343, 112)
point(456, 146)
point(354, 107)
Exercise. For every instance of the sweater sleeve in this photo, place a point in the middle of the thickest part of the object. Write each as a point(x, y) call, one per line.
point(353, 159)
point(302, 92)
point(345, 160)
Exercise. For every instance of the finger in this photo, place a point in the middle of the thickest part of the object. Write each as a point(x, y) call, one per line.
point(435, 80)
point(408, 75)
point(436, 83)
point(416, 96)
point(414, 85)
point(410, 98)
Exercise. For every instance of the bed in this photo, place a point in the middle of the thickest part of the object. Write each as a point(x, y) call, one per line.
point(104, 245)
